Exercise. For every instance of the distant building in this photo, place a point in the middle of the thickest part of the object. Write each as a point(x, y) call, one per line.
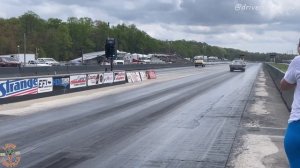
point(90, 58)
point(20, 57)
point(99, 58)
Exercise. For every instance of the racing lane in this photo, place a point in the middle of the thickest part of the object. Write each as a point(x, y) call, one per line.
point(186, 122)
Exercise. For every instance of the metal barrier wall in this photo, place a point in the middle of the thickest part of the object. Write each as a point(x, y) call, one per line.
point(276, 74)
point(7, 72)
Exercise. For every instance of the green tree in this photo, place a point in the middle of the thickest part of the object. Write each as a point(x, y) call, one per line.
point(65, 40)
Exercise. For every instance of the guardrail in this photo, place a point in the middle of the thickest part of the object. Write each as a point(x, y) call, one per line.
point(276, 75)
point(7, 72)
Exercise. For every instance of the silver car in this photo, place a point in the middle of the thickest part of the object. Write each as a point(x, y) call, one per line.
point(237, 65)
point(49, 61)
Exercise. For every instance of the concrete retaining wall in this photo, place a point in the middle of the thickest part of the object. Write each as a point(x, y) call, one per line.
point(277, 75)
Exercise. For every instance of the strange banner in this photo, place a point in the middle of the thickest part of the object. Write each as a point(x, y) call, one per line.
point(20, 87)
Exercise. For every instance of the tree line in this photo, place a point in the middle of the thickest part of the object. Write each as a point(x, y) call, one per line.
point(66, 40)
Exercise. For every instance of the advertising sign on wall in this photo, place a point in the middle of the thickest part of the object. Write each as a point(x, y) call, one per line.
point(133, 77)
point(20, 87)
point(77, 81)
point(45, 85)
point(119, 76)
point(143, 75)
point(151, 74)
point(61, 83)
point(108, 77)
point(93, 79)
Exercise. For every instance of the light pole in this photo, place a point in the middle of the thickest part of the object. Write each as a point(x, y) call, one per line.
point(18, 46)
point(298, 47)
point(36, 53)
point(204, 53)
point(81, 52)
point(169, 47)
point(24, 49)
point(108, 30)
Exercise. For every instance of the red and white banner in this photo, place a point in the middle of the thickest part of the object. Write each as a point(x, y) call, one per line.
point(143, 75)
point(119, 76)
point(151, 74)
point(20, 87)
point(133, 77)
point(77, 81)
point(93, 79)
point(108, 77)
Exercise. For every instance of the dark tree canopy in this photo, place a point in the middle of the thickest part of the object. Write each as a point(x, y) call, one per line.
point(65, 40)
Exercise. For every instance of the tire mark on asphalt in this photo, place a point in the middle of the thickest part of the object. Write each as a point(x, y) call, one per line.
point(112, 136)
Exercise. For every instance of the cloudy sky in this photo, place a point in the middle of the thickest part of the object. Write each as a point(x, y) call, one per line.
point(252, 25)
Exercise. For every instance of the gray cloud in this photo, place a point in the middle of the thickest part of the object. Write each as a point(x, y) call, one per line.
point(224, 22)
point(192, 12)
point(215, 12)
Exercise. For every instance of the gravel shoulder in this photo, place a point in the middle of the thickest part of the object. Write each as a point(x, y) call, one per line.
point(259, 140)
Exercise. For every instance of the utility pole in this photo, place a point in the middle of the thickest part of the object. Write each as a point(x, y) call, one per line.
point(111, 64)
point(169, 47)
point(18, 52)
point(110, 50)
point(24, 49)
point(36, 53)
point(81, 56)
point(108, 30)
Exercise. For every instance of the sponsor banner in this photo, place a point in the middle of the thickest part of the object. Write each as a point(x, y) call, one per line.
point(151, 74)
point(101, 78)
point(133, 77)
point(93, 79)
point(108, 77)
point(61, 83)
point(143, 75)
point(45, 85)
point(20, 87)
point(119, 76)
point(77, 81)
